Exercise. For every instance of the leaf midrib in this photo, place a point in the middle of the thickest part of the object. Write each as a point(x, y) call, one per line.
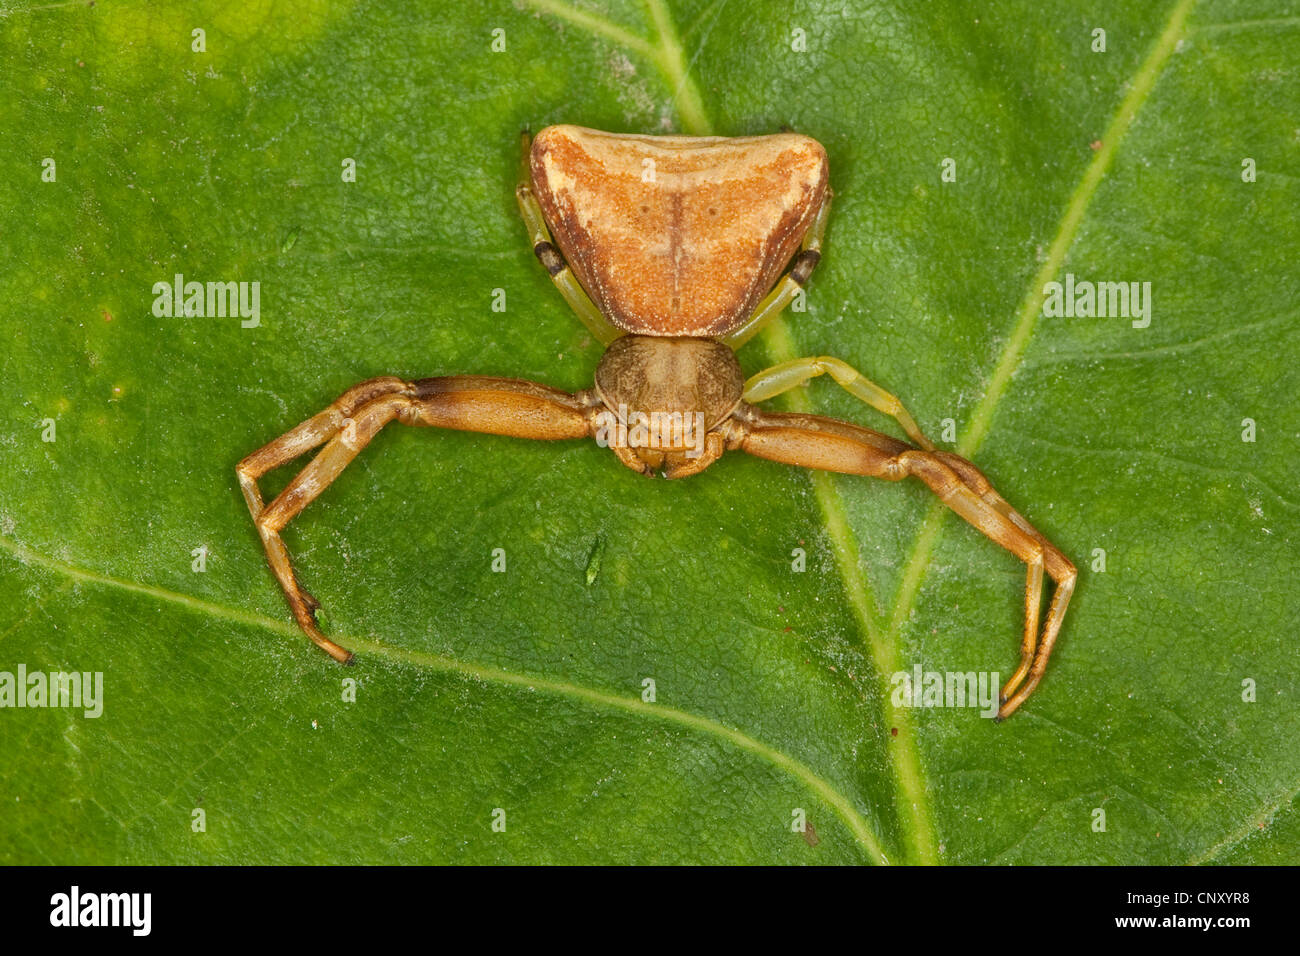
point(665, 52)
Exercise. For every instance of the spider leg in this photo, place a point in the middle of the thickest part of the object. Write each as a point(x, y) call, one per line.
point(975, 479)
point(497, 406)
point(824, 443)
point(781, 378)
point(801, 267)
point(315, 431)
point(539, 236)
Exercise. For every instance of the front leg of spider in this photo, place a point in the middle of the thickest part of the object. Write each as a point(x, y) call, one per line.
point(811, 441)
point(496, 406)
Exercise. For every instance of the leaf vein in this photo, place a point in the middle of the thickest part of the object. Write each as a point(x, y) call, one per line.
point(820, 787)
point(1259, 823)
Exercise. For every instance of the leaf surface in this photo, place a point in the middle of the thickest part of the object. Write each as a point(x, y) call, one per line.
point(523, 691)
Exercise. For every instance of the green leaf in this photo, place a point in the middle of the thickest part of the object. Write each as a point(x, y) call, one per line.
point(527, 691)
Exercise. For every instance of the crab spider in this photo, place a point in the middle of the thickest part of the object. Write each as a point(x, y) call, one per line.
point(665, 246)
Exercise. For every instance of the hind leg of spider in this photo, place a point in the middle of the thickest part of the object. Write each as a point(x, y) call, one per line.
point(781, 378)
point(830, 445)
point(539, 237)
point(468, 403)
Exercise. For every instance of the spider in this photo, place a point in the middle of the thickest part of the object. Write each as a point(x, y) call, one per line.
point(665, 246)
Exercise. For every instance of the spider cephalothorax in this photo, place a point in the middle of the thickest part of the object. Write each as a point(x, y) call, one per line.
point(669, 249)
point(662, 401)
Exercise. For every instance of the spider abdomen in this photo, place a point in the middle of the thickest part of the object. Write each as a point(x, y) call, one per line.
point(677, 235)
